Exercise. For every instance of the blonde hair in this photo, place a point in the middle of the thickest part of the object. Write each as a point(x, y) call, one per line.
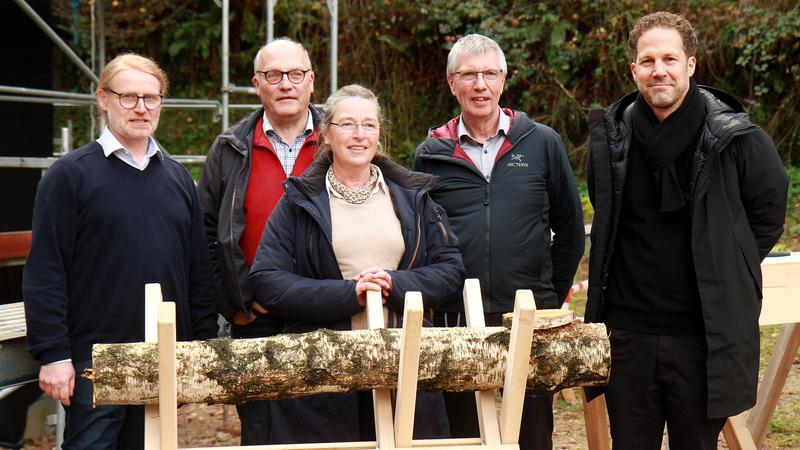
point(132, 61)
point(329, 108)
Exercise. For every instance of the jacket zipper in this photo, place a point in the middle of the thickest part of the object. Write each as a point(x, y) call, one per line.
point(233, 204)
point(439, 224)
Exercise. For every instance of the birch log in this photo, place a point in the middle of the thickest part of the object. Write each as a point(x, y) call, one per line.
point(293, 365)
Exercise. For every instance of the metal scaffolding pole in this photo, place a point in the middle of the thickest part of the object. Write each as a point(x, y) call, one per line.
point(57, 40)
point(333, 7)
point(271, 20)
point(43, 93)
point(225, 63)
point(28, 95)
point(101, 33)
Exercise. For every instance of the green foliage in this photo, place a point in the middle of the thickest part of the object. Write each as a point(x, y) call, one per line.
point(790, 240)
point(564, 58)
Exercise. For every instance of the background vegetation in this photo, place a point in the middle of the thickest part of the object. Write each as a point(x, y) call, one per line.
point(564, 57)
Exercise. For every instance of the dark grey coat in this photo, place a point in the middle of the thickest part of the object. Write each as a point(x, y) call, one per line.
point(738, 205)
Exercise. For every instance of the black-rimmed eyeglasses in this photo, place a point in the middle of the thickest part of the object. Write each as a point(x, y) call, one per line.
point(129, 100)
point(296, 76)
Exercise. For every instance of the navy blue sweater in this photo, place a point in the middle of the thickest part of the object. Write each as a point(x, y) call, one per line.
point(101, 230)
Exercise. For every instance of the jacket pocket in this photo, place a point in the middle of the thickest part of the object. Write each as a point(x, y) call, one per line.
point(748, 248)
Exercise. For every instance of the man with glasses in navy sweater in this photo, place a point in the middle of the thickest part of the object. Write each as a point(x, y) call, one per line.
point(110, 217)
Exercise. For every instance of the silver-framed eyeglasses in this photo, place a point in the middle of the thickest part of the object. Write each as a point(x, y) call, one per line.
point(489, 76)
point(296, 76)
point(129, 100)
point(350, 127)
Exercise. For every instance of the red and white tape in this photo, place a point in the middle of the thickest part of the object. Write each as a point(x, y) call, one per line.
point(582, 286)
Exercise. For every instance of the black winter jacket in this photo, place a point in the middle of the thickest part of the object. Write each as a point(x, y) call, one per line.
point(295, 274)
point(738, 190)
point(222, 190)
point(504, 225)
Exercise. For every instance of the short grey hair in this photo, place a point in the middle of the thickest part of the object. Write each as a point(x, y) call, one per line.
point(280, 39)
point(475, 44)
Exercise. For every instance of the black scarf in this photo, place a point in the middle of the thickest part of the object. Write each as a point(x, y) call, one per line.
point(666, 141)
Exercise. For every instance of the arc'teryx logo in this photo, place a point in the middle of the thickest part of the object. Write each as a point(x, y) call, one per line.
point(516, 160)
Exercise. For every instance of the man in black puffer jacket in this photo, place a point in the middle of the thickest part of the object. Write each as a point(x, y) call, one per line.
point(689, 197)
point(505, 182)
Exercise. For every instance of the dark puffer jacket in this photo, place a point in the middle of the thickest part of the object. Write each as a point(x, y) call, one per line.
point(738, 192)
point(296, 277)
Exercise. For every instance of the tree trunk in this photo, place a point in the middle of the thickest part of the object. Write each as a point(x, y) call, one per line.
point(293, 365)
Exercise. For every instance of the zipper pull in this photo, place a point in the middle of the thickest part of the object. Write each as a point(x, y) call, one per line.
point(440, 224)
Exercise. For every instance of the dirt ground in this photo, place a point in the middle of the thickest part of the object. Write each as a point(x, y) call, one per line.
point(211, 426)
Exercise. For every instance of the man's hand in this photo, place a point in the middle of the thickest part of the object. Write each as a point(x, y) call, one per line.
point(57, 380)
point(242, 318)
point(372, 279)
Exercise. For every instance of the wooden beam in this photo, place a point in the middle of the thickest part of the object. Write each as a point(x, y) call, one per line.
point(488, 422)
point(769, 391)
point(596, 417)
point(780, 290)
point(15, 245)
point(167, 377)
point(736, 434)
point(381, 398)
point(152, 300)
point(411, 337)
point(516, 376)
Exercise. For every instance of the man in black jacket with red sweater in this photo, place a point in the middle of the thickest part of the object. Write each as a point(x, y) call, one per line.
point(505, 182)
point(110, 217)
point(689, 197)
point(241, 184)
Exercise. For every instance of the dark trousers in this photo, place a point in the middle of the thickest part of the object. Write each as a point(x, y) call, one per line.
point(255, 416)
point(536, 430)
point(12, 411)
point(658, 379)
point(104, 427)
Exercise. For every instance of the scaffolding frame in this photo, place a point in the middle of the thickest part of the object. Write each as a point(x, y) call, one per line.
point(221, 107)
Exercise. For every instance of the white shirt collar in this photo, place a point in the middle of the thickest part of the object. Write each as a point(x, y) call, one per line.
point(267, 126)
point(504, 124)
point(111, 144)
point(380, 184)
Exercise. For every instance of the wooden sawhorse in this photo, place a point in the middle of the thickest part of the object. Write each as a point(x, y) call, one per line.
point(393, 428)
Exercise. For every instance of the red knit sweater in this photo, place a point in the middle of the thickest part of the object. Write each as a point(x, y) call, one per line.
point(264, 186)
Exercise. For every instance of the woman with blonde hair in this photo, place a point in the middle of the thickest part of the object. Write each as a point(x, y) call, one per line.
point(354, 222)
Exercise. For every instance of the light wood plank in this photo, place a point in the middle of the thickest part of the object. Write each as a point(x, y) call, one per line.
point(167, 377)
point(772, 384)
point(485, 400)
point(736, 434)
point(595, 416)
point(12, 321)
point(780, 305)
point(409, 370)
point(381, 398)
point(152, 300)
point(519, 354)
